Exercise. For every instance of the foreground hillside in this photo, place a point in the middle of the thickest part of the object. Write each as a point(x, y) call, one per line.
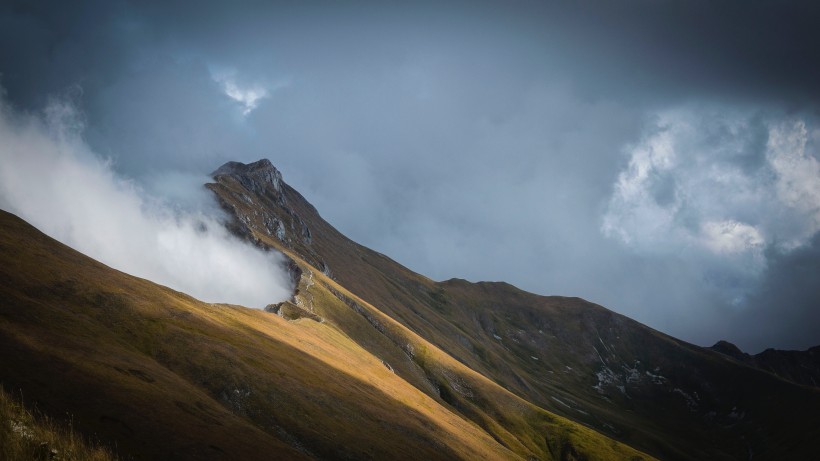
point(26, 434)
point(661, 395)
point(160, 375)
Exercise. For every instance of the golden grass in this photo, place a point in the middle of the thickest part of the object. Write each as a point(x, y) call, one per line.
point(516, 424)
point(161, 374)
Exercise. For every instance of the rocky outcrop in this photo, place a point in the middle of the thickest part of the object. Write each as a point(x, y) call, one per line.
point(290, 311)
point(256, 176)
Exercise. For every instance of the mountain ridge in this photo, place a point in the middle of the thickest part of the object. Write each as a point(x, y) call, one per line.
point(255, 384)
point(441, 311)
point(161, 375)
point(368, 359)
point(800, 367)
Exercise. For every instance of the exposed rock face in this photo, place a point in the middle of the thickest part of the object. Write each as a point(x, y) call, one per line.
point(290, 311)
point(270, 213)
point(254, 176)
point(260, 201)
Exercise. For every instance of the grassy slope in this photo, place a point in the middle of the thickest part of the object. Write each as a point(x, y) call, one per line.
point(526, 342)
point(522, 427)
point(519, 425)
point(733, 409)
point(161, 375)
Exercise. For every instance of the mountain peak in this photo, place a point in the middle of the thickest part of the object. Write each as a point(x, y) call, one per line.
point(245, 168)
point(239, 168)
point(253, 176)
point(261, 201)
point(729, 349)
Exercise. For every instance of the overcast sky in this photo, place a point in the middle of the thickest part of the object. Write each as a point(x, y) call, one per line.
point(659, 158)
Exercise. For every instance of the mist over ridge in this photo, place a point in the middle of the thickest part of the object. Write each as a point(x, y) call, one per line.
point(51, 178)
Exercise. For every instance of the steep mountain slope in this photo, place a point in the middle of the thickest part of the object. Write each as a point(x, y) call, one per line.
point(161, 375)
point(574, 358)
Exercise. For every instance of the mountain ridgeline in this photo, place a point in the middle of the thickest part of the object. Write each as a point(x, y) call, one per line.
point(369, 360)
point(566, 355)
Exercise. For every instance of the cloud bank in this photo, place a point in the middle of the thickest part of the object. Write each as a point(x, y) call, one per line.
point(734, 195)
point(698, 178)
point(50, 178)
point(720, 187)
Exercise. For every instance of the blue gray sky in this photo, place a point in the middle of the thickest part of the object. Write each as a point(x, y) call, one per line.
point(658, 158)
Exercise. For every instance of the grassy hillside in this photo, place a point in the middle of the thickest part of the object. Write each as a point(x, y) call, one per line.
point(565, 355)
point(367, 361)
point(161, 375)
point(668, 397)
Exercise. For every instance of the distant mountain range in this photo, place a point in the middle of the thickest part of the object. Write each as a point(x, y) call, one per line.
point(369, 360)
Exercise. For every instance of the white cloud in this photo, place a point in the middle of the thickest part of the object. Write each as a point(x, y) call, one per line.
point(798, 176)
point(50, 178)
point(641, 218)
point(716, 188)
point(247, 95)
point(730, 237)
point(699, 180)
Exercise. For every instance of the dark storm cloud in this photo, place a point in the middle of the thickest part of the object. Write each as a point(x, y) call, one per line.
point(786, 303)
point(611, 48)
point(473, 139)
point(742, 48)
